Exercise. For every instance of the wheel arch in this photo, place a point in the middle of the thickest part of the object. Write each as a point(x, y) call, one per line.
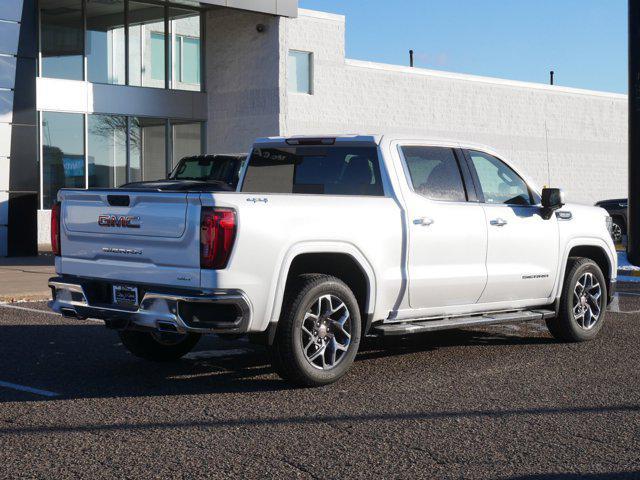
point(594, 249)
point(341, 260)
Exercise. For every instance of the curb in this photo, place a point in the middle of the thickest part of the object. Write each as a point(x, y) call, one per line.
point(26, 297)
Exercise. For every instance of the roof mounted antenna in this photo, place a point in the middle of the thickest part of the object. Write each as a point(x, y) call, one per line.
point(552, 75)
point(411, 58)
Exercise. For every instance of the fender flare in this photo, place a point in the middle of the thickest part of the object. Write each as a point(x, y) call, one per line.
point(582, 242)
point(321, 247)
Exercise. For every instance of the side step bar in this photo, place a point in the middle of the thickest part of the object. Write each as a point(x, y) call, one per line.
point(422, 326)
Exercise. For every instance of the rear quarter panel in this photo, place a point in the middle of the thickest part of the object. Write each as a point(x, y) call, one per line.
point(274, 228)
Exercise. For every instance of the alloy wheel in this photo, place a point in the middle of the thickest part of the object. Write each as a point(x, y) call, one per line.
point(326, 332)
point(587, 296)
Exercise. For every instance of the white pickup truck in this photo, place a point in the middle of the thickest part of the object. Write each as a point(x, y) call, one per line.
point(330, 239)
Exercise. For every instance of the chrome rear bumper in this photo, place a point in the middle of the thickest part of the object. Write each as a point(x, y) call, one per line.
point(161, 311)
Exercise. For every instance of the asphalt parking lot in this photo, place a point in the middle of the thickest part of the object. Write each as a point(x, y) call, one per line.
point(493, 402)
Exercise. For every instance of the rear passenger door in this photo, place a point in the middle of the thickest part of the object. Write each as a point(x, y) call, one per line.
point(447, 229)
point(523, 247)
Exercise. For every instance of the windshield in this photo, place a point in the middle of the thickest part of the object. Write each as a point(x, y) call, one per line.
point(210, 168)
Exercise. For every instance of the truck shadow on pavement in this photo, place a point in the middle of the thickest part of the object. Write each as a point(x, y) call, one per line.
point(88, 361)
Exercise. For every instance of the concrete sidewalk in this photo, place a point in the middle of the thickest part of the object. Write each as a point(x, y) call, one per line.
point(26, 278)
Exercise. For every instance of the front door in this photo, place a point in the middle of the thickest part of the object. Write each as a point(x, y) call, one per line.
point(447, 234)
point(523, 247)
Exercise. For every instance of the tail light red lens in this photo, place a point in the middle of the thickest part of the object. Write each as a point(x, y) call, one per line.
point(55, 229)
point(217, 235)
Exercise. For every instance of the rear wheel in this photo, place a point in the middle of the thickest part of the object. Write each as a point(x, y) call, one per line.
point(583, 302)
point(157, 346)
point(319, 331)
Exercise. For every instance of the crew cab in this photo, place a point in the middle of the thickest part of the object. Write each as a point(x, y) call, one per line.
point(328, 239)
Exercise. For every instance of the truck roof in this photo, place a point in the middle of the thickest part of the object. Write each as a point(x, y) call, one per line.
point(377, 140)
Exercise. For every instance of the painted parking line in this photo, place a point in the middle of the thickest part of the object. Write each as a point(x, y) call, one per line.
point(24, 388)
point(27, 309)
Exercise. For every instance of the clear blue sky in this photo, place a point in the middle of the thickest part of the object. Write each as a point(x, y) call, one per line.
point(584, 41)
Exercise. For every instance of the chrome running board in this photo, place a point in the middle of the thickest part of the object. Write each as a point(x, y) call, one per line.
point(423, 326)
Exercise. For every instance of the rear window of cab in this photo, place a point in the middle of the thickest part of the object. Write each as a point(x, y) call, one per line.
point(316, 170)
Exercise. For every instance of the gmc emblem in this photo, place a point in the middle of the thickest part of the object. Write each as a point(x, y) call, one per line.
point(118, 221)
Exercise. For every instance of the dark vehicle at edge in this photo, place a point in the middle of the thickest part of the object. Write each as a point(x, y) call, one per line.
point(206, 173)
point(617, 209)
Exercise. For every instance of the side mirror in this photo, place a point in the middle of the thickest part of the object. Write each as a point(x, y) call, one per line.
point(552, 200)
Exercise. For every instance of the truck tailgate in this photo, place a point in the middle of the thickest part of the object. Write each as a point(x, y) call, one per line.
point(131, 236)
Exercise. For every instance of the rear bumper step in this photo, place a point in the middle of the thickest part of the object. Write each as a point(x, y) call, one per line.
point(221, 311)
point(423, 326)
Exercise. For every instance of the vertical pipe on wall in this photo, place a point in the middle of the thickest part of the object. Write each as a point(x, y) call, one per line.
point(633, 229)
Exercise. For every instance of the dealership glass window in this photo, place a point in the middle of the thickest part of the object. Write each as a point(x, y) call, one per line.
point(107, 150)
point(148, 152)
point(63, 155)
point(61, 39)
point(105, 40)
point(147, 38)
point(187, 140)
point(185, 34)
point(300, 72)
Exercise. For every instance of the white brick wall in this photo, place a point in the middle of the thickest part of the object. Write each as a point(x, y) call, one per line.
point(242, 79)
point(586, 131)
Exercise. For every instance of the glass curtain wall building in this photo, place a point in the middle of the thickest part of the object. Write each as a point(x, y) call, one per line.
point(148, 44)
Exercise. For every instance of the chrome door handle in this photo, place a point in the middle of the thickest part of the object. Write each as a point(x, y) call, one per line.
point(498, 222)
point(423, 221)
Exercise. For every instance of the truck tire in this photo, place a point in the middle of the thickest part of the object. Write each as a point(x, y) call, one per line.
point(158, 347)
point(583, 302)
point(319, 331)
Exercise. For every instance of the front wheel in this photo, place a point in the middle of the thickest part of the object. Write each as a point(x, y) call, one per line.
point(158, 347)
point(319, 331)
point(583, 302)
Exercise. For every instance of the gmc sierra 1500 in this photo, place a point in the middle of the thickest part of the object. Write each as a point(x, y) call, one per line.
point(327, 240)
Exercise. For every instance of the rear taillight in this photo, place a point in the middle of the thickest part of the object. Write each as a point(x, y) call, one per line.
point(217, 234)
point(55, 229)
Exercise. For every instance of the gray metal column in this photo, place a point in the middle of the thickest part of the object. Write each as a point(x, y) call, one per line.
point(18, 128)
point(633, 229)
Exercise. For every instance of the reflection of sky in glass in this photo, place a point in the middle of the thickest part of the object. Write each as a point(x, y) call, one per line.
point(65, 131)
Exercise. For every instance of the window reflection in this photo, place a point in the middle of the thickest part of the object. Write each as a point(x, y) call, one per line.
point(147, 140)
point(146, 45)
point(187, 140)
point(105, 41)
point(62, 154)
point(62, 44)
point(185, 34)
point(107, 150)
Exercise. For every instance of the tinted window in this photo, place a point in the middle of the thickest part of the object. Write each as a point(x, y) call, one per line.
point(499, 183)
point(62, 154)
point(327, 170)
point(435, 173)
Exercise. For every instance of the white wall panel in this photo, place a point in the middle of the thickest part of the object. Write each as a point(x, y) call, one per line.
point(5, 140)
point(4, 174)
point(286, 8)
point(6, 106)
point(11, 10)
point(9, 33)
